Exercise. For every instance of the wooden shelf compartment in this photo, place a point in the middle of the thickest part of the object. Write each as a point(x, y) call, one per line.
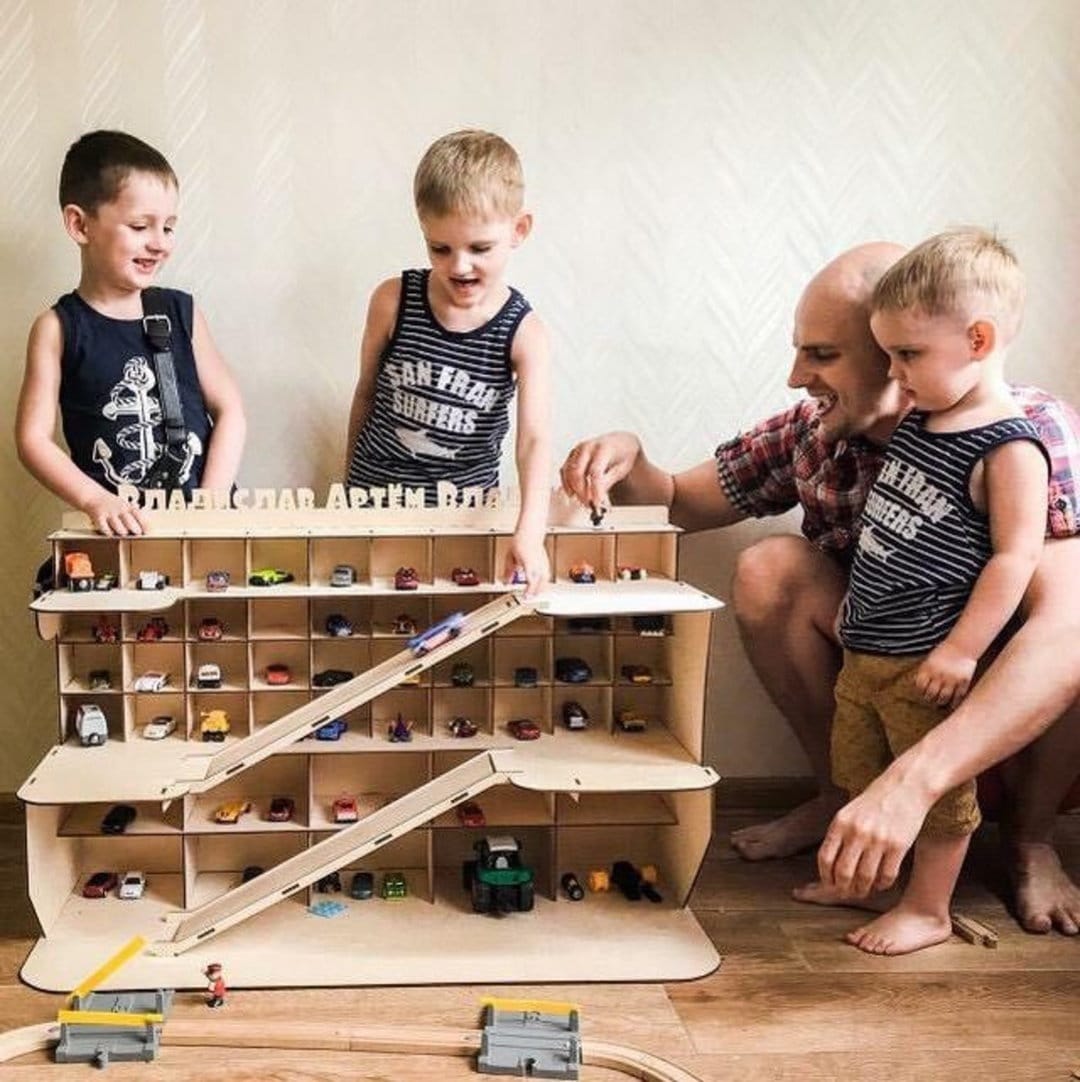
point(597, 549)
point(390, 553)
point(276, 776)
point(452, 848)
point(409, 854)
point(268, 706)
point(230, 657)
point(412, 703)
point(217, 863)
point(502, 548)
point(357, 610)
point(595, 699)
point(111, 705)
point(522, 652)
point(294, 654)
point(106, 554)
point(281, 553)
point(595, 650)
point(133, 622)
point(657, 553)
point(478, 655)
point(511, 703)
point(84, 820)
point(77, 660)
point(328, 552)
point(473, 703)
point(231, 611)
point(143, 708)
point(203, 555)
point(234, 703)
point(450, 551)
point(278, 617)
point(164, 554)
point(351, 654)
point(164, 657)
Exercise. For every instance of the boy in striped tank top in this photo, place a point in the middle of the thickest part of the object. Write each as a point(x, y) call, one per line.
point(950, 536)
point(445, 349)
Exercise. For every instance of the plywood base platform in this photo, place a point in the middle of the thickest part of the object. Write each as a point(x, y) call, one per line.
point(377, 942)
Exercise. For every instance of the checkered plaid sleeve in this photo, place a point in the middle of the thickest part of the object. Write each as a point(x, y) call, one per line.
point(1058, 425)
point(756, 468)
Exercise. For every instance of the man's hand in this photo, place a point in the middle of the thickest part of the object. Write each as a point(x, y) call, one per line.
point(869, 837)
point(595, 466)
point(945, 676)
point(530, 555)
point(113, 516)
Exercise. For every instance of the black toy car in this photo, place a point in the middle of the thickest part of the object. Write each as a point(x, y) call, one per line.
point(362, 886)
point(328, 883)
point(525, 676)
point(252, 871)
point(117, 819)
point(572, 670)
point(329, 678)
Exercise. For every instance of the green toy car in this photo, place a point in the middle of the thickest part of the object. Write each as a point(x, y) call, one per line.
point(269, 576)
point(394, 886)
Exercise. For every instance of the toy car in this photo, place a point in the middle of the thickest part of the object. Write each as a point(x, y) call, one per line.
point(106, 580)
point(332, 730)
point(157, 728)
point(394, 886)
point(449, 627)
point(399, 730)
point(406, 578)
point(362, 886)
point(99, 885)
point(582, 573)
point(465, 576)
point(329, 882)
point(282, 809)
point(650, 623)
point(231, 810)
point(572, 887)
point(629, 572)
point(105, 632)
point(404, 624)
point(90, 725)
point(211, 629)
point(574, 715)
point(470, 814)
point(153, 630)
point(630, 721)
point(339, 626)
point(633, 883)
point(151, 580)
point(151, 681)
point(572, 670)
point(117, 819)
point(214, 725)
point(343, 575)
point(269, 576)
point(462, 675)
point(524, 729)
point(131, 886)
point(79, 571)
point(637, 674)
point(462, 727)
point(588, 625)
point(99, 679)
point(497, 880)
point(252, 871)
point(216, 581)
point(278, 674)
point(208, 675)
point(329, 678)
point(525, 676)
point(345, 809)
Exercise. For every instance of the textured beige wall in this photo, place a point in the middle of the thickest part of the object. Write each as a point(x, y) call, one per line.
point(689, 164)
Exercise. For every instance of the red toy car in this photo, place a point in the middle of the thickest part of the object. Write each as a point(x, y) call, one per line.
point(278, 674)
point(404, 624)
point(216, 581)
point(462, 727)
point(346, 809)
point(282, 809)
point(99, 885)
point(105, 632)
point(155, 628)
point(524, 729)
point(582, 572)
point(210, 629)
point(406, 578)
point(470, 814)
point(465, 576)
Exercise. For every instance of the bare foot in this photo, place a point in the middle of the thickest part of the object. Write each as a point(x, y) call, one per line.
point(901, 931)
point(1046, 898)
point(800, 829)
point(818, 893)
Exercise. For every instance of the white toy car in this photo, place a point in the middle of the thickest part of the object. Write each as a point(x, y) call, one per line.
point(151, 580)
point(208, 676)
point(90, 725)
point(132, 886)
point(151, 681)
point(160, 727)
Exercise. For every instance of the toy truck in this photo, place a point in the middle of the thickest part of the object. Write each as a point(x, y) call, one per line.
point(497, 880)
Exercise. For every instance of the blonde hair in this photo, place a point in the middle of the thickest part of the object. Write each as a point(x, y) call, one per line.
point(470, 172)
point(967, 271)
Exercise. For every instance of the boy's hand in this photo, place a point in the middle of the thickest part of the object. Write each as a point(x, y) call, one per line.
point(115, 517)
point(945, 676)
point(530, 555)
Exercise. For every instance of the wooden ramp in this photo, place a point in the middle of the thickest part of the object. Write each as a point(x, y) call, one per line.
point(306, 719)
point(187, 928)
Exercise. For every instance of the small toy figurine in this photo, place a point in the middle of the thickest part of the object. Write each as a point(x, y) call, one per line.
point(404, 624)
point(400, 730)
point(462, 727)
point(596, 514)
point(215, 985)
point(217, 581)
point(462, 675)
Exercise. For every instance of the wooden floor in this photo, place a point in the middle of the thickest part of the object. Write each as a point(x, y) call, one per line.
point(791, 1000)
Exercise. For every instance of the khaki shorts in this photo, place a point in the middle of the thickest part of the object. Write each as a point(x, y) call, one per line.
point(879, 715)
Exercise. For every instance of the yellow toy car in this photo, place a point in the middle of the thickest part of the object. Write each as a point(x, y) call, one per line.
point(214, 725)
point(231, 810)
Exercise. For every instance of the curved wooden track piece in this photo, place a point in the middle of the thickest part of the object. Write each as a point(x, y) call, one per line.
point(408, 1040)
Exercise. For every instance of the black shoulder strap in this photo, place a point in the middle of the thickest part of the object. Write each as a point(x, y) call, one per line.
point(158, 330)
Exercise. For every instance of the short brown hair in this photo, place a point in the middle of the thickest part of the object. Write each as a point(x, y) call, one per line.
point(471, 172)
point(97, 164)
point(968, 271)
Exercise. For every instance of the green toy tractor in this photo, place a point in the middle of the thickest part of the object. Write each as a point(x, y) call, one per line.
point(497, 880)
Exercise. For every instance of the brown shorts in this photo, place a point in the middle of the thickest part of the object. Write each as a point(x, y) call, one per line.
point(879, 715)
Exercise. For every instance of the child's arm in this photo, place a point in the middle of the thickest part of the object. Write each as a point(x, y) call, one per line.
point(531, 358)
point(378, 327)
point(1014, 476)
point(225, 406)
point(35, 437)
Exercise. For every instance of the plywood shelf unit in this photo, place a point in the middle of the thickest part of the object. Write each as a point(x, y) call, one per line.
point(576, 799)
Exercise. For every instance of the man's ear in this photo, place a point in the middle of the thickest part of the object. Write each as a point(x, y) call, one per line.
point(75, 219)
point(523, 224)
point(982, 337)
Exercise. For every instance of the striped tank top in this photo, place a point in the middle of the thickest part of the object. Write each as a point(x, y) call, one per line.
point(442, 398)
point(922, 543)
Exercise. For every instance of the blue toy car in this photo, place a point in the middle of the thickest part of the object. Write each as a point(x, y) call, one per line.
point(338, 625)
point(447, 628)
point(572, 670)
point(332, 730)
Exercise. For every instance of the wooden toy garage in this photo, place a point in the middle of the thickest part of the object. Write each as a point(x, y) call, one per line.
point(576, 799)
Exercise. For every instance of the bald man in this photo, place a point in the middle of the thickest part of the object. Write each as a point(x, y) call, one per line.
point(823, 455)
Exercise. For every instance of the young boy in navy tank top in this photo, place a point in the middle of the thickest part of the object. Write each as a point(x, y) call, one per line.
point(88, 356)
point(949, 539)
point(445, 349)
